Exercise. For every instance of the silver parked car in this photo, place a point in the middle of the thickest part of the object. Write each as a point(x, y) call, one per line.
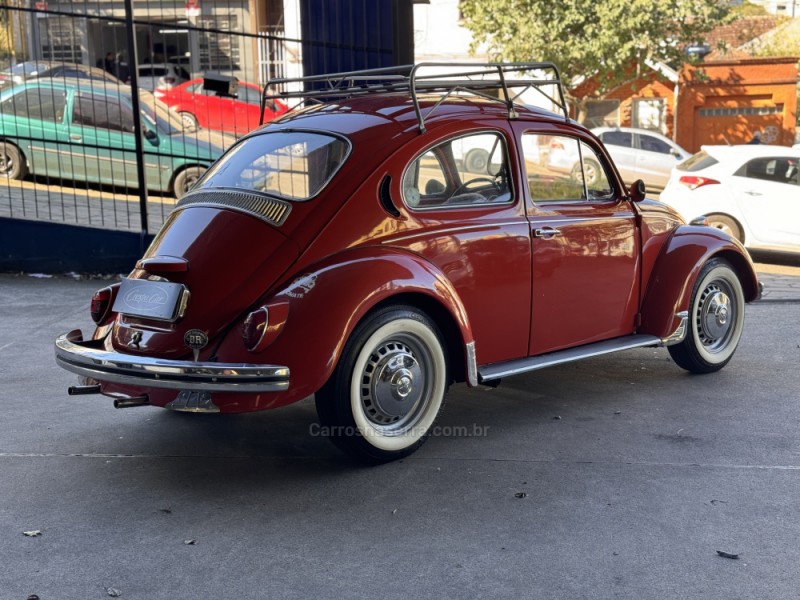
point(642, 154)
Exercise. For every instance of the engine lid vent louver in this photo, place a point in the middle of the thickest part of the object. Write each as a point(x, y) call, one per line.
point(273, 211)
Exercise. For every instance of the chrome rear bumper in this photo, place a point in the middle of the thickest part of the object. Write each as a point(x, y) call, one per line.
point(89, 359)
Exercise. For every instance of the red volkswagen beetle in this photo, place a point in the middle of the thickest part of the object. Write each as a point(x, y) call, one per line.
point(200, 107)
point(350, 251)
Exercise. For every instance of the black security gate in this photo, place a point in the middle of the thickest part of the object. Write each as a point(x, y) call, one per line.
point(79, 79)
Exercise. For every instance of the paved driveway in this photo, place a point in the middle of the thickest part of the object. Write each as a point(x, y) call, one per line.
point(618, 477)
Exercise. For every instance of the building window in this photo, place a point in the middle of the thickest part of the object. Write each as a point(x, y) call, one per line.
point(650, 113)
point(61, 39)
point(602, 113)
point(741, 111)
point(219, 51)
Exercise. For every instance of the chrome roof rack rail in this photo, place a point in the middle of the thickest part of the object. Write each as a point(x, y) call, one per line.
point(508, 80)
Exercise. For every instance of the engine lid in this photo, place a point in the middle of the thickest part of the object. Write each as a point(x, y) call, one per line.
point(206, 266)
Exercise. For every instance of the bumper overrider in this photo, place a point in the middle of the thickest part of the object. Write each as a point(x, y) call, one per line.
point(89, 359)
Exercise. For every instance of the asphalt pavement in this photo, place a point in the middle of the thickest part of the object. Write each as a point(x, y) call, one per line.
point(617, 477)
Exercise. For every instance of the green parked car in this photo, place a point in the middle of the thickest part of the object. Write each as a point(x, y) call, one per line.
point(76, 130)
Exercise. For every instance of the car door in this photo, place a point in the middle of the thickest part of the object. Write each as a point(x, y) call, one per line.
point(584, 243)
point(33, 118)
point(620, 146)
point(104, 126)
point(767, 190)
point(470, 221)
point(654, 160)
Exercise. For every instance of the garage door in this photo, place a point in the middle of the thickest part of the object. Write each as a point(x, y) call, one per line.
point(737, 124)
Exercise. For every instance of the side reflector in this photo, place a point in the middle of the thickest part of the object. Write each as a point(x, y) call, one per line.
point(693, 182)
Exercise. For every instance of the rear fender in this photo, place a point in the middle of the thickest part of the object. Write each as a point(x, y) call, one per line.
point(674, 275)
point(326, 303)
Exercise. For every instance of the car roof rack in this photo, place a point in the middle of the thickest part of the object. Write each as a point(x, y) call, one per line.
point(508, 80)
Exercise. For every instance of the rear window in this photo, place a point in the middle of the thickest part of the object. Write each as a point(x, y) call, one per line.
point(152, 72)
point(698, 162)
point(294, 165)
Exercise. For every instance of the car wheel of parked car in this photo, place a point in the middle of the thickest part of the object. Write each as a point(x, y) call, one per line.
point(716, 319)
point(12, 163)
point(186, 179)
point(726, 224)
point(189, 120)
point(476, 160)
point(591, 172)
point(388, 387)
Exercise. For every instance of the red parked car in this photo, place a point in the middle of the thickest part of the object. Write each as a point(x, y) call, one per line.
point(199, 107)
point(345, 251)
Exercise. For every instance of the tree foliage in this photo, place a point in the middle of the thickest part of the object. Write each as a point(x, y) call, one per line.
point(609, 38)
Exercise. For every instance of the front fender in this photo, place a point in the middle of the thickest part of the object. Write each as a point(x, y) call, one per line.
point(326, 303)
point(672, 280)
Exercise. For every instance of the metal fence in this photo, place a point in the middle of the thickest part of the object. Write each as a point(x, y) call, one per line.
point(79, 79)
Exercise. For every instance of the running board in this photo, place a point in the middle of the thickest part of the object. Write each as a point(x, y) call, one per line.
point(523, 365)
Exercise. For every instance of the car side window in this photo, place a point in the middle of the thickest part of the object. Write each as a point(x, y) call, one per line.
point(468, 170)
point(651, 144)
point(776, 169)
point(36, 103)
point(617, 138)
point(249, 95)
point(560, 168)
point(102, 112)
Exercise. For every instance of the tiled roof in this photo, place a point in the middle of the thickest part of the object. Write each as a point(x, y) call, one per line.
point(726, 39)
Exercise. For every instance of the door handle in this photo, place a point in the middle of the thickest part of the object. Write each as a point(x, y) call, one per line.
point(751, 193)
point(546, 232)
point(75, 137)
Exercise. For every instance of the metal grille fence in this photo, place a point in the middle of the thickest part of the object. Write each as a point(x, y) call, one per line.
point(78, 79)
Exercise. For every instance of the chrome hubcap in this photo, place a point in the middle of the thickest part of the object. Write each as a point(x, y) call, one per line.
point(715, 316)
point(392, 385)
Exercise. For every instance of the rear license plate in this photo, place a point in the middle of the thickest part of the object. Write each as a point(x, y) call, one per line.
point(150, 299)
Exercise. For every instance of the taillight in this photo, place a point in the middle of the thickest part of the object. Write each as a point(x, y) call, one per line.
point(101, 304)
point(693, 182)
point(263, 325)
point(169, 80)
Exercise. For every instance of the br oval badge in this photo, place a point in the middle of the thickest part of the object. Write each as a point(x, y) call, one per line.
point(196, 340)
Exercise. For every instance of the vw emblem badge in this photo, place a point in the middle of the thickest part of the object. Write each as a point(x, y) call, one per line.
point(196, 340)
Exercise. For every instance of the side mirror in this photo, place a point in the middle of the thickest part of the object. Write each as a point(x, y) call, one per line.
point(151, 136)
point(638, 190)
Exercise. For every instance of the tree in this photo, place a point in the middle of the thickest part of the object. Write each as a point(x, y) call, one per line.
point(609, 40)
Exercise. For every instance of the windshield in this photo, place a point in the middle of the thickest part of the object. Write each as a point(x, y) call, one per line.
point(295, 165)
point(158, 115)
